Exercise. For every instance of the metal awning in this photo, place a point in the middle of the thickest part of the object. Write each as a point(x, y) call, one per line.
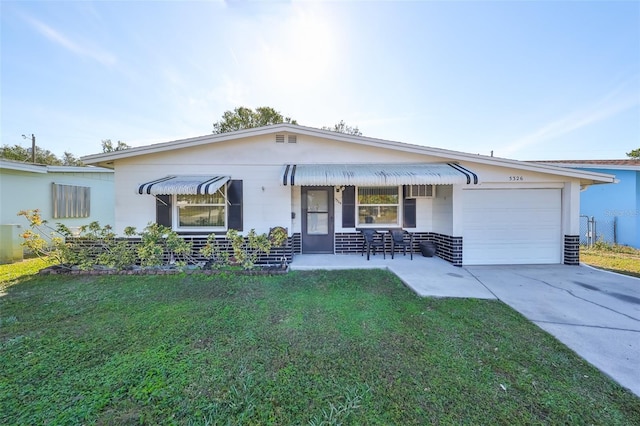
point(377, 174)
point(183, 185)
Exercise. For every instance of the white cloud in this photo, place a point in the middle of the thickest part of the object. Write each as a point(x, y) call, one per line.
point(79, 48)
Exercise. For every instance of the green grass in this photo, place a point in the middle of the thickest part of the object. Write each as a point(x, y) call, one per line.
point(341, 347)
point(620, 259)
point(11, 273)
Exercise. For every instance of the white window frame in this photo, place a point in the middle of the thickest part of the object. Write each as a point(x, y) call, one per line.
point(208, 229)
point(378, 225)
point(415, 191)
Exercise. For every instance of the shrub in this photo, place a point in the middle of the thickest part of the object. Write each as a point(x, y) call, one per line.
point(158, 238)
point(217, 255)
point(46, 241)
point(98, 245)
point(247, 250)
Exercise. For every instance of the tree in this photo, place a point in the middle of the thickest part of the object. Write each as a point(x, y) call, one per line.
point(68, 159)
point(635, 153)
point(107, 146)
point(19, 153)
point(342, 127)
point(246, 118)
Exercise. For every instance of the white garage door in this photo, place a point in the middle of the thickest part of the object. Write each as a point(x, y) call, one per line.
point(512, 226)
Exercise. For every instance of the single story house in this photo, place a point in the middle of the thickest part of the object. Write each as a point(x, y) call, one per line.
point(71, 195)
point(322, 186)
point(615, 209)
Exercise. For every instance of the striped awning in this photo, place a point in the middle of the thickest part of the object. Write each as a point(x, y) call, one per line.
point(377, 174)
point(183, 185)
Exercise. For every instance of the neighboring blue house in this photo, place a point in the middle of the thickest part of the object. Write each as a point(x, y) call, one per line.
point(615, 207)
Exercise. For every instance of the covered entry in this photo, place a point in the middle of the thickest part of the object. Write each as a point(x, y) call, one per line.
point(317, 219)
point(377, 195)
point(512, 226)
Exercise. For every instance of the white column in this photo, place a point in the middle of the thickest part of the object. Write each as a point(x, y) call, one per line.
point(457, 202)
point(571, 208)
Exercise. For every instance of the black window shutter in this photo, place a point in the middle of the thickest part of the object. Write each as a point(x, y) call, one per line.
point(409, 207)
point(234, 197)
point(349, 207)
point(163, 210)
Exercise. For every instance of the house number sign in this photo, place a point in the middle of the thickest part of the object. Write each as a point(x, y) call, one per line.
point(515, 178)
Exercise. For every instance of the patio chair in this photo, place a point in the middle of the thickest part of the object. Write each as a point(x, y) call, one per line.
point(401, 238)
point(372, 240)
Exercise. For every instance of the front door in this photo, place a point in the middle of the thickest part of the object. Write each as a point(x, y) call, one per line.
point(317, 219)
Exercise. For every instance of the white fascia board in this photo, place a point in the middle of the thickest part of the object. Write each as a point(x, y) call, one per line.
point(23, 167)
point(188, 143)
point(43, 168)
point(596, 177)
point(78, 169)
point(597, 166)
point(446, 154)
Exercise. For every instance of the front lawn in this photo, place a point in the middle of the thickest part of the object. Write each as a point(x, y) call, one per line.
point(615, 258)
point(12, 272)
point(350, 347)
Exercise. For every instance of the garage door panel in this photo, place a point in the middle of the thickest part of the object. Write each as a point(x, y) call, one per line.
point(520, 226)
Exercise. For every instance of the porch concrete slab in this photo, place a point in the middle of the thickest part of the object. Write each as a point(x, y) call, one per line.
point(426, 276)
point(595, 313)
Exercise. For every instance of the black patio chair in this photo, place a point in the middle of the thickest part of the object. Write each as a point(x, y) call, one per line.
point(372, 240)
point(401, 238)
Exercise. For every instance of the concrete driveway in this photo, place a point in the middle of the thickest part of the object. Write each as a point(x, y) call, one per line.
point(593, 312)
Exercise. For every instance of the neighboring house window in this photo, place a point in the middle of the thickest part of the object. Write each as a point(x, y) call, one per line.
point(71, 201)
point(202, 211)
point(378, 205)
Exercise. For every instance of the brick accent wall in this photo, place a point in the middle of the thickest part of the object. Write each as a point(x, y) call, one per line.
point(296, 243)
point(449, 248)
point(348, 242)
point(572, 249)
point(197, 242)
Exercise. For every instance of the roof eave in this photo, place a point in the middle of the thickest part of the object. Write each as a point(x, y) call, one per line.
point(597, 166)
point(23, 167)
point(106, 159)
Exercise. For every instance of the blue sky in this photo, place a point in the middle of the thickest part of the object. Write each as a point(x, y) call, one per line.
point(526, 80)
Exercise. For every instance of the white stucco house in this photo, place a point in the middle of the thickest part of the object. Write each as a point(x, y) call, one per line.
point(324, 186)
point(71, 195)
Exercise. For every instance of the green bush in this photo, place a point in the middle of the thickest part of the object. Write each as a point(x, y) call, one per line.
point(158, 238)
point(46, 241)
point(213, 250)
point(97, 245)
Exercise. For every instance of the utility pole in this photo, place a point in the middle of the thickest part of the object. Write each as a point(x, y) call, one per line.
point(33, 147)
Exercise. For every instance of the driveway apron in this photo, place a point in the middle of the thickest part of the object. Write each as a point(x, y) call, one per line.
point(593, 312)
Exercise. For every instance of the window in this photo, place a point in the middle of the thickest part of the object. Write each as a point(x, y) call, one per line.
point(70, 201)
point(202, 211)
point(378, 205)
point(420, 191)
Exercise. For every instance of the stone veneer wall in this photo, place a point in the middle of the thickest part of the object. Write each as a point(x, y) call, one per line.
point(449, 248)
point(572, 249)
